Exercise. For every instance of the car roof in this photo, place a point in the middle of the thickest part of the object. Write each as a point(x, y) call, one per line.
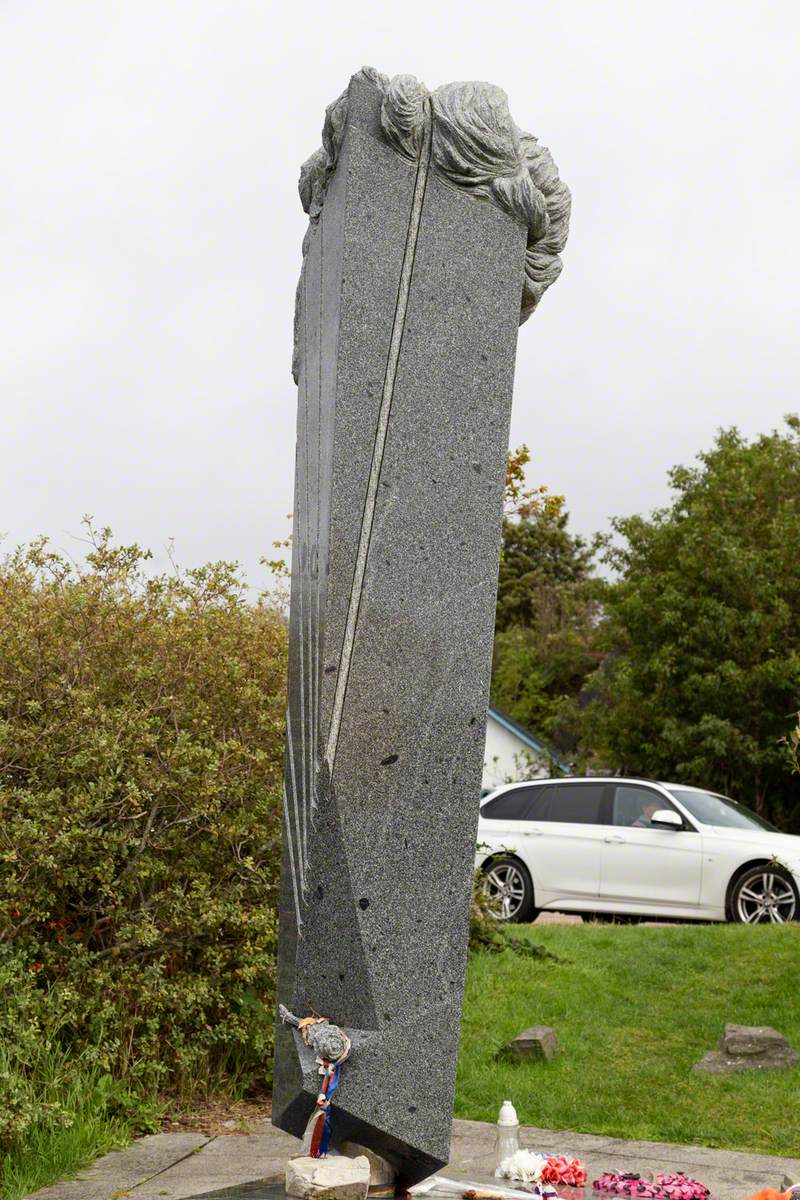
point(559, 779)
point(555, 781)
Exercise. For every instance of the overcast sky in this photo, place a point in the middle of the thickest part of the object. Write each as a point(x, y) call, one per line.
point(150, 242)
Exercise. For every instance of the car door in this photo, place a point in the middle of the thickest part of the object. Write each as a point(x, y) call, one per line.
point(644, 864)
point(503, 824)
point(503, 817)
point(564, 833)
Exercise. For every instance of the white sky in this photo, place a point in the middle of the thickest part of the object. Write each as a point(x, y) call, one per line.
point(150, 242)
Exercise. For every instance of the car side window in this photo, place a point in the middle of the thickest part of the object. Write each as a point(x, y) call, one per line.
point(576, 803)
point(634, 806)
point(514, 805)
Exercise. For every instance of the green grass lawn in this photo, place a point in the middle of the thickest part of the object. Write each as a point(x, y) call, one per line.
point(634, 1007)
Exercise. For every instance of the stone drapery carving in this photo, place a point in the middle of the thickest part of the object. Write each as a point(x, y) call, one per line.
point(476, 146)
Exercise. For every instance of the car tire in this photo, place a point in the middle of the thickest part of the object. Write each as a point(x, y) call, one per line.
point(510, 889)
point(763, 895)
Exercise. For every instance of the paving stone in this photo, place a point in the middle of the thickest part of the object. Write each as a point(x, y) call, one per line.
point(125, 1169)
point(225, 1161)
point(257, 1190)
point(252, 1167)
point(731, 1175)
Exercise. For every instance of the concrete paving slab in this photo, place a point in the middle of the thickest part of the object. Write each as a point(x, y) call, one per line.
point(179, 1166)
point(248, 1191)
point(123, 1170)
point(730, 1174)
point(224, 1162)
point(473, 1143)
point(700, 1156)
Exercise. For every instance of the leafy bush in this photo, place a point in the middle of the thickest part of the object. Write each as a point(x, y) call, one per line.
point(489, 935)
point(141, 731)
point(23, 1021)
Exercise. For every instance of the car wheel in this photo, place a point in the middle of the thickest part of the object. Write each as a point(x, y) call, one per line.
point(763, 894)
point(510, 890)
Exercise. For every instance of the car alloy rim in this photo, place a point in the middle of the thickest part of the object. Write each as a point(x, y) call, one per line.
point(766, 897)
point(506, 889)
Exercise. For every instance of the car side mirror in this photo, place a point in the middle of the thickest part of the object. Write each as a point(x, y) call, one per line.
point(666, 818)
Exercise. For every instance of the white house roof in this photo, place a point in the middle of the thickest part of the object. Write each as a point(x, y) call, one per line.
point(527, 738)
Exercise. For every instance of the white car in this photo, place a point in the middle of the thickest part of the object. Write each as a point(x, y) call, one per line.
point(629, 847)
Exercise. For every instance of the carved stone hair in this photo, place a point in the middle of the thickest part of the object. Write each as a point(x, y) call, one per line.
point(475, 145)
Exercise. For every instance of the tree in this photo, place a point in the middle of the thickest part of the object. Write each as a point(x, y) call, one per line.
point(520, 500)
point(546, 614)
point(703, 628)
point(793, 747)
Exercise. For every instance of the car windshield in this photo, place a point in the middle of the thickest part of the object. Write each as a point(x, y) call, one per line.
point(711, 809)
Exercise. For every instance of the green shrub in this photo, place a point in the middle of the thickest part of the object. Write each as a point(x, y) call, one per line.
point(141, 732)
point(488, 934)
point(24, 1026)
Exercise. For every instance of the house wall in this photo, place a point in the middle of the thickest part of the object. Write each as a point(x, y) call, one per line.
point(507, 758)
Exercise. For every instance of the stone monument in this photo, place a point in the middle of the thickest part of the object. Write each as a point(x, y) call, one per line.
point(435, 226)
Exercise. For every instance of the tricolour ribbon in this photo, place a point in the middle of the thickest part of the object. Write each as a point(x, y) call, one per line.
point(318, 1131)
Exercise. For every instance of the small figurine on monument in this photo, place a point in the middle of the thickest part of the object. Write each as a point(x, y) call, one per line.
point(331, 1046)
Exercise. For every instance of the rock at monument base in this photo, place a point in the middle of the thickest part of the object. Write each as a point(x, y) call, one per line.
point(335, 1177)
point(748, 1048)
point(381, 1173)
point(539, 1041)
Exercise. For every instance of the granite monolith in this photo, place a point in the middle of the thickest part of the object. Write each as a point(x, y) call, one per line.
point(435, 227)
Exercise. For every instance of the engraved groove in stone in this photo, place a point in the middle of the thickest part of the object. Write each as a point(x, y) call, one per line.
point(303, 548)
point(319, 574)
point(290, 748)
point(304, 783)
point(295, 888)
point(306, 635)
point(398, 326)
